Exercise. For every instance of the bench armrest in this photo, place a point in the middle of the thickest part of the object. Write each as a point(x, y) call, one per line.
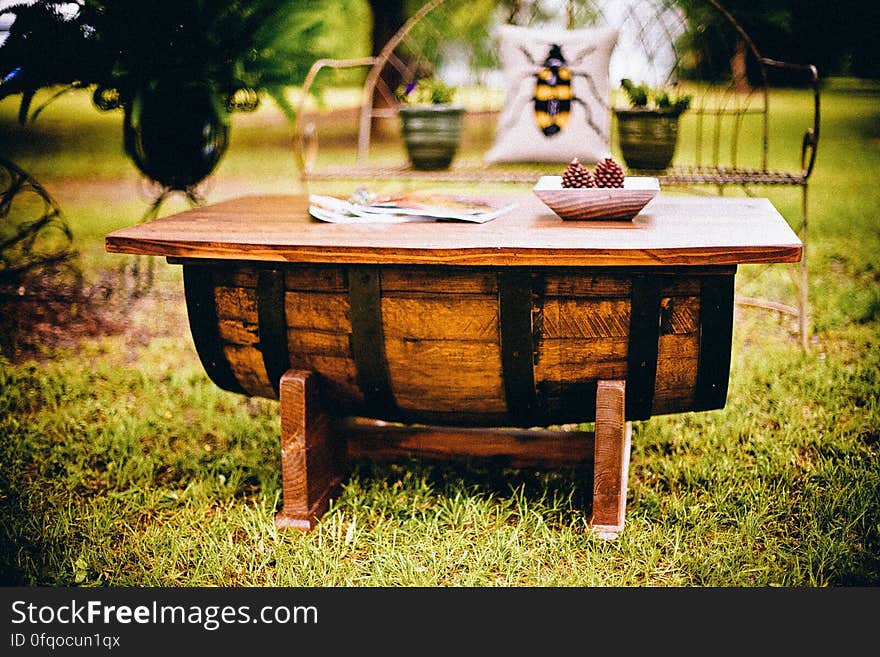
point(811, 137)
point(305, 139)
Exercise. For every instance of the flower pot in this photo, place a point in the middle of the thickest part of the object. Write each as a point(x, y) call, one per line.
point(647, 137)
point(176, 133)
point(432, 134)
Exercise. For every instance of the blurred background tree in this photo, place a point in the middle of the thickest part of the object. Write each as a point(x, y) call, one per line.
point(177, 68)
point(261, 45)
point(245, 49)
point(838, 36)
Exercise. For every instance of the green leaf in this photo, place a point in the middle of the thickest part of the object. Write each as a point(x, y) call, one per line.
point(80, 570)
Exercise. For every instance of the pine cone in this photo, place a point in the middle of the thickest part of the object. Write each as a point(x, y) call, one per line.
point(608, 173)
point(577, 175)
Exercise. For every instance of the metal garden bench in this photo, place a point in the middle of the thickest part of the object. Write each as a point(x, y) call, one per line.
point(724, 140)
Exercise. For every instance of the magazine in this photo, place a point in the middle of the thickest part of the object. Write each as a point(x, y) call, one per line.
point(366, 207)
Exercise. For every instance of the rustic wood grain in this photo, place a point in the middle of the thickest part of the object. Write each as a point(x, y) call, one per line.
point(585, 318)
point(247, 365)
point(401, 281)
point(323, 311)
point(233, 275)
point(338, 376)
point(582, 204)
point(238, 326)
point(611, 463)
point(509, 447)
point(442, 344)
point(319, 331)
point(446, 375)
point(679, 315)
point(316, 279)
point(319, 343)
point(446, 317)
point(673, 230)
point(587, 370)
point(238, 332)
point(573, 283)
point(556, 353)
point(236, 302)
point(310, 463)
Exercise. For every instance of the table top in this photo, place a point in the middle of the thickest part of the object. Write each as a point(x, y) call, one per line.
point(671, 230)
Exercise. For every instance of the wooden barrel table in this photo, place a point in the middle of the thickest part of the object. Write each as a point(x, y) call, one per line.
point(524, 322)
point(468, 346)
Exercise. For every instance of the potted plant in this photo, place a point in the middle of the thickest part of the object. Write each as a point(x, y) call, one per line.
point(648, 129)
point(177, 69)
point(431, 123)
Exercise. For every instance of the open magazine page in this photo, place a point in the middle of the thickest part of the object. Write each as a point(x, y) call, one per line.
point(365, 207)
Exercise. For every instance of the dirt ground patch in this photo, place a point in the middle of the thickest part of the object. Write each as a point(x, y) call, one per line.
point(57, 309)
point(55, 305)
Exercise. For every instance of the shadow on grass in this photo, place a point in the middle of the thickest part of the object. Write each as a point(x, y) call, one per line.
point(562, 494)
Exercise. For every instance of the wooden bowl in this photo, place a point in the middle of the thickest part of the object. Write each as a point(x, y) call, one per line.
point(597, 203)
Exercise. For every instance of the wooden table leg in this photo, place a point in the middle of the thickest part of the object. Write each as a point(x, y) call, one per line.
point(310, 462)
point(611, 460)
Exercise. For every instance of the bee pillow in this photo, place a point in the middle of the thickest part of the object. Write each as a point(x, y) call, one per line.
point(557, 102)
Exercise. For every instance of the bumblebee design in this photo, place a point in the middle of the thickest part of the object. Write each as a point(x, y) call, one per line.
point(554, 94)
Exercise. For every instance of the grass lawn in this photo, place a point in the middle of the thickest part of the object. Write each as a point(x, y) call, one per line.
point(123, 465)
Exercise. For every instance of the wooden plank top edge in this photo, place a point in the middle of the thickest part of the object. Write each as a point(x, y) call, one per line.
point(670, 231)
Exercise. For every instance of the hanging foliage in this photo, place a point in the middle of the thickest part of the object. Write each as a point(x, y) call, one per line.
point(243, 48)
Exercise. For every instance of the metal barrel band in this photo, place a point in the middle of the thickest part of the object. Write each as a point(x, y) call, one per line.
point(201, 307)
point(515, 292)
point(368, 340)
point(644, 333)
point(716, 336)
point(272, 324)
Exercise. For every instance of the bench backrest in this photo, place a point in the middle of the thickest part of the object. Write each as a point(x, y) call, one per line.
point(726, 127)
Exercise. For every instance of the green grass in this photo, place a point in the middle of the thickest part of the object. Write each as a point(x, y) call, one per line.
point(122, 465)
